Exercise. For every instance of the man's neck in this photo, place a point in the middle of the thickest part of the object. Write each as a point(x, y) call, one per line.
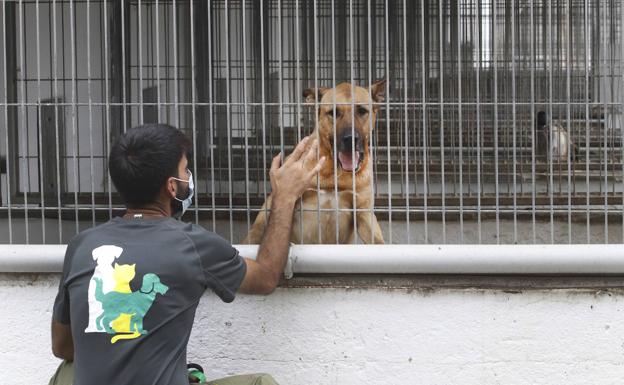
point(149, 211)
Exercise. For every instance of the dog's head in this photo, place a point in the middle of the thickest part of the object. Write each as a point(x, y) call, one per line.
point(105, 255)
point(152, 284)
point(347, 124)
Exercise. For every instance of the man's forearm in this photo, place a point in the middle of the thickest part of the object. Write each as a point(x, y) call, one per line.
point(273, 250)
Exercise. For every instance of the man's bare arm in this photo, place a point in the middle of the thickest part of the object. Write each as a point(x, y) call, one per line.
point(288, 184)
point(264, 273)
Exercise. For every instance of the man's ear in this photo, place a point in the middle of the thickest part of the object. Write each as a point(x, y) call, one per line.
point(378, 90)
point(170, 190)
point(314, 94)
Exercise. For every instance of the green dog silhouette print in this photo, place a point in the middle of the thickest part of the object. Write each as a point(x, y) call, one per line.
point(135, 304)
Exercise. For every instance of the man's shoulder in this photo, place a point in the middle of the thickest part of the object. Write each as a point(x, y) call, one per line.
point(92, 231)
point(197, 232)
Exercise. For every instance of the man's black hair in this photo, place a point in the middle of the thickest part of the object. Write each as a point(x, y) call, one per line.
point(142, 159)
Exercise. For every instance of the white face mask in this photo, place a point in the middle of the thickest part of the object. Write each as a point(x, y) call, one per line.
point(186, 202)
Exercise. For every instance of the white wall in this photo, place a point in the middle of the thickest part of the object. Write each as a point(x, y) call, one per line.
point(373, 336)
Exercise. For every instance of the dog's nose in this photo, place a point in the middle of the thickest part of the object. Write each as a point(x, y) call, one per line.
point(350, 139)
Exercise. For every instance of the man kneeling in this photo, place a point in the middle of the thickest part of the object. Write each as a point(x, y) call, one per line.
point(130, 287)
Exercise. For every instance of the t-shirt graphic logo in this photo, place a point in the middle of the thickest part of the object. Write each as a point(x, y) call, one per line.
point(114, 308)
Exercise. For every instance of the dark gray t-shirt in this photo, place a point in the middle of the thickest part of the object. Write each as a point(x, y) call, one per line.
point(129, 290)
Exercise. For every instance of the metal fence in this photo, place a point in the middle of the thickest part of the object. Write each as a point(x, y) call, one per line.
point(455, 147)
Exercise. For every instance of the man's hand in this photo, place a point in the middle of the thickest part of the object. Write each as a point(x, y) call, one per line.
point(298, 172)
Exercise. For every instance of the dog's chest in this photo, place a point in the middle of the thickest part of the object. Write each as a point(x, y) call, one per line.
point(326, 199)
point(323, 216)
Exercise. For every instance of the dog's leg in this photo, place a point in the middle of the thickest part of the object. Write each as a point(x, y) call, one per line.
point(106, 323)
point(98, 321)
point(378, 235)
point(256, 232)
point(368, 226)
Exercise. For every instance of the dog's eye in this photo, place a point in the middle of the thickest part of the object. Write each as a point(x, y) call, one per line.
point(362, 111)
point(330, 113)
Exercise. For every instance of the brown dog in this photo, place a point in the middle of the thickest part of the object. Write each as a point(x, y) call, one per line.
point(353, 128)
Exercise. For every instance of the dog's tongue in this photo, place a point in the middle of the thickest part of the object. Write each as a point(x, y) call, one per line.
point(346, 160)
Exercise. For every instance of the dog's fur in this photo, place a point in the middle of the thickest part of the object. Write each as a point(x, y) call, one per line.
point(353, 130)
point(556, 147)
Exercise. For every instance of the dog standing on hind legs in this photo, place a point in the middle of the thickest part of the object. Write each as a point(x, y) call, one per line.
point(353, 116)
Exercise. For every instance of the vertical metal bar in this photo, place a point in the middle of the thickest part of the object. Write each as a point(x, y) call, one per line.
point(280, 81)
point(193, 106)
point(280, 76)
point(140, 55)
point(568, 11)
point(442, 149)
point(606, 128)
point(533, 125)
point(90, 104)
point(587, 101)
point(56, 127)
point(6, 117)
point(126, 78)
point(158, 107)
point(495, 65)
point(25, 163)
point(388, 123)
point(211, 114)
point(405, 115)
point(335, 152)
point(316, 113)
point(72, 33)
point(167, 80)
point(550, 116)
point(245, 127)
point(351, 72)
point(228, 118)
point(107, 101)
point(371, 151)
point(424, 81)
point(39, 134)
point(611, 85)
point(262, 72)
point(461, 127)
point(514, 118)
point(176, 74)
point(478, 102)
point(298, 96)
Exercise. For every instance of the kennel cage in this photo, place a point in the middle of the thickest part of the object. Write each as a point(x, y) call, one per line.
point(454, 148)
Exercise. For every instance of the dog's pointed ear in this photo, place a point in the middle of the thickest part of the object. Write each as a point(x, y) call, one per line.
point(314, 94)
point(378, 90)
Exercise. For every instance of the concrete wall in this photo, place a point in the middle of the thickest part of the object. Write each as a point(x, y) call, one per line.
point(366, 336)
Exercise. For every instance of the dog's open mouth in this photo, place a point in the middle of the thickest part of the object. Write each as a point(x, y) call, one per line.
point(350, 161)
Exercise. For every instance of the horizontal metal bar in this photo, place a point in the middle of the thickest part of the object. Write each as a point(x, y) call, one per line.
point(389, 259)
point(311, 106)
